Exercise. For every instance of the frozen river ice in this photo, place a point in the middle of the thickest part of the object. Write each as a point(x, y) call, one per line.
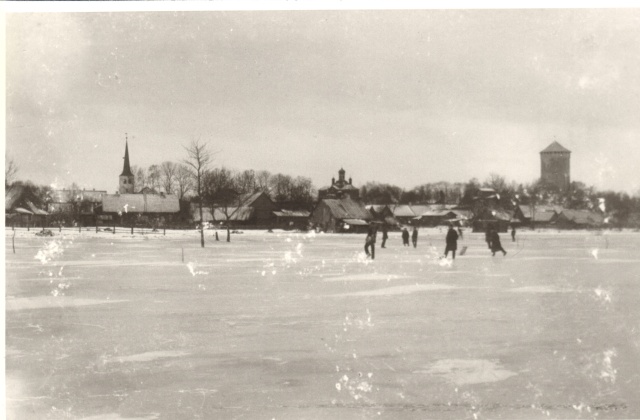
point(293, 326)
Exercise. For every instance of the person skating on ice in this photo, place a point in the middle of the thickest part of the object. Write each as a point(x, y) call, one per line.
point(385, 236)
point(452, 242)
point(405, 237)
point(495, 242)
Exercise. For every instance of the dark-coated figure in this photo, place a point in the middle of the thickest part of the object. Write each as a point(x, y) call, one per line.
point(385, 236)
point(452, 242)
point(370, 242)
point(495, 243)
point(405, 237)
point(414, 237)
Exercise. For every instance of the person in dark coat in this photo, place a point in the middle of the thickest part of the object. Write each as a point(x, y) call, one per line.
point(405, 237)
point(374, 234)
point(368, 242)
point(513, 233)
point(495, 243)
point(487, 236)
point(452, 242)
point(385, 236)
point(414, 237)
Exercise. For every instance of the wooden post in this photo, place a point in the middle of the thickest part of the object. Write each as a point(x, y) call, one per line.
point(13, 241)
point(182, 254)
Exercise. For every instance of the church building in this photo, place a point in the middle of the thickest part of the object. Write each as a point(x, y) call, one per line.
point(126, 177)
point(128, 206)
point(339, 189)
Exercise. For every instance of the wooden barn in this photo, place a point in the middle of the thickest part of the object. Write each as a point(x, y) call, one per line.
point(382, 214)
point(23, 208)
point(140, 209)
point(496, 218)
point(341, 215)
point(292, 219)
point(248, 210)
point(81, 206)
point(536, 216)
point(579, 219)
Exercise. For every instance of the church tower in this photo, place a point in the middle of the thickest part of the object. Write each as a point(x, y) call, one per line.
point(555, 166)
point(126, 177)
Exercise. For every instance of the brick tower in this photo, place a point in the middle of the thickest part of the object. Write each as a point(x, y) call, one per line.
point(555, 168)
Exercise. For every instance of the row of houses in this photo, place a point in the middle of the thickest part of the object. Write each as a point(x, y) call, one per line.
point(259, 211)
point(91, 208)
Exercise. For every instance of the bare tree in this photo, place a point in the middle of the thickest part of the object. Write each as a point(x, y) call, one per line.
point(139, 178)
point(198, 158)
point(154, 176)
point(246, 181)
point(184, 180)
point(168, 172)
point(10, 171)
point(231, 197)
point(262, 180)
point(497, 182)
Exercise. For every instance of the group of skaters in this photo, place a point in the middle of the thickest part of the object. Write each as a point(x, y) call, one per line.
point(491, 237)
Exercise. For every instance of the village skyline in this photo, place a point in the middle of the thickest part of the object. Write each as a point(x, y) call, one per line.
point(438, 95)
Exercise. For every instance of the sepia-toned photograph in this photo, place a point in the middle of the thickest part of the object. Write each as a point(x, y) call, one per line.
point(308, 211)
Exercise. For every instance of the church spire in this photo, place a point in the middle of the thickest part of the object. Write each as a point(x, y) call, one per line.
point(126, 170)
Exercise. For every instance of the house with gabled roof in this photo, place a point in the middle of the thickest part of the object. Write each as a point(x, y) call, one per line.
point(402, 213)
point(579, 219)
point(382, 213)
point(251, 209)
point(145, 208)
point(341, 215)
point(539, 216)
point(292, 219)
point(23, 208)
point(83, 206)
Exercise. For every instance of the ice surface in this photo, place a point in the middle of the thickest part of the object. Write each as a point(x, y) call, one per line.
point(399, 290)
point(462, 372)
point(295, 325)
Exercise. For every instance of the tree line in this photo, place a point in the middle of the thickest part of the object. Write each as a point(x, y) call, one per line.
point(223, 187)
point(623, 208)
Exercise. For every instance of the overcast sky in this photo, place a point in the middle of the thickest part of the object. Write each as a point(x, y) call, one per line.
point(401, 97)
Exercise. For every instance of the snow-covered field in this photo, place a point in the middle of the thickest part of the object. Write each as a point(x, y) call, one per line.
point(303, 326)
